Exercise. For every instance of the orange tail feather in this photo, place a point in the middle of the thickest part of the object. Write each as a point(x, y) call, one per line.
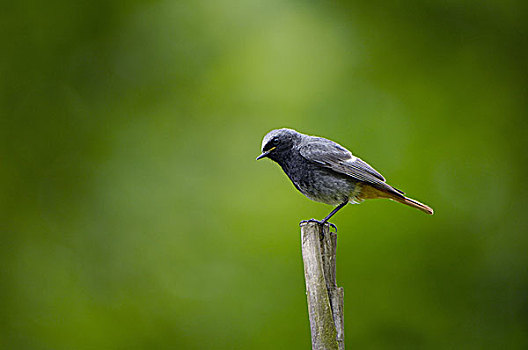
point(415, 204)
point(387, 191)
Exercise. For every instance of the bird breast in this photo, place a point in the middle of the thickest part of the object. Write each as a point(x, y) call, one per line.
point(319, 183)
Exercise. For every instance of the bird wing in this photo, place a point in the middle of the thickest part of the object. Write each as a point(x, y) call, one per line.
point(334, 156)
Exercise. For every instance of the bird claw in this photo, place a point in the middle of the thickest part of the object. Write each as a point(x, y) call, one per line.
point(320, 223)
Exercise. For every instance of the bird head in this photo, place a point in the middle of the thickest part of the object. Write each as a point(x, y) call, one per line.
point(278, 142)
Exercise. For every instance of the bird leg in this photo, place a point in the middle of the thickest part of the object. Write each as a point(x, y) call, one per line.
point(336, 209)
point(325, 220)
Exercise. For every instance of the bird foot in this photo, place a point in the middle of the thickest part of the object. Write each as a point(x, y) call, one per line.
point(320, 223)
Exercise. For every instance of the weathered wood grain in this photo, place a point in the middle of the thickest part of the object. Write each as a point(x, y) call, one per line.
point(325, 299)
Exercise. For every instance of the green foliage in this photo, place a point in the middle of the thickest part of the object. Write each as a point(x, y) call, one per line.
point(133, 212)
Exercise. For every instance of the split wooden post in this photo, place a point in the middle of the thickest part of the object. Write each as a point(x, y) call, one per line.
point(325, 299)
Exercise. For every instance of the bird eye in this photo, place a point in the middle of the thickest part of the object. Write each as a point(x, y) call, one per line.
point(273, 143)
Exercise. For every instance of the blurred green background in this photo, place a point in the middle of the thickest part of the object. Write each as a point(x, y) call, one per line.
point(133, 212)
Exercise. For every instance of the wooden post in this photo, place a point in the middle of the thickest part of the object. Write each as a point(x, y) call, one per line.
point(325, 299)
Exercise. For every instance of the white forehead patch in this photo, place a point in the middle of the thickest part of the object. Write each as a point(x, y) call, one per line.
point(270, 135)
point(267, 138)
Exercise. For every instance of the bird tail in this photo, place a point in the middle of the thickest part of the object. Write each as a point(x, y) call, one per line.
point(414, 203)
point(387, 191)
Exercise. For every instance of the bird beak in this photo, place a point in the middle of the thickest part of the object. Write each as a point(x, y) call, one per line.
point(265, 154)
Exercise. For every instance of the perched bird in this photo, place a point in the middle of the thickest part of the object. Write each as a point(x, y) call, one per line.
point(325, 171)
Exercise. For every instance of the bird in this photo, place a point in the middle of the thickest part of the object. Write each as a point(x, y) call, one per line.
point(325, 171)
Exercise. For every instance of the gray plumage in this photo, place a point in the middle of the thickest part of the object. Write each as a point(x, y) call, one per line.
point(327, 172)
